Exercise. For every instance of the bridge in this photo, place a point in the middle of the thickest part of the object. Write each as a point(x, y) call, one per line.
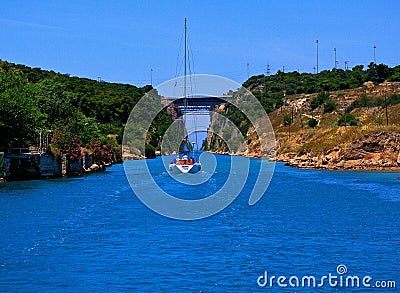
point(199, 103)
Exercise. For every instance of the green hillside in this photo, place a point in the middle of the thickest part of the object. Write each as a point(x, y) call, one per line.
point(74, 109)
point(273, 90)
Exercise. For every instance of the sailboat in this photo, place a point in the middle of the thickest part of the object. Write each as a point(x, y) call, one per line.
point(185, 162)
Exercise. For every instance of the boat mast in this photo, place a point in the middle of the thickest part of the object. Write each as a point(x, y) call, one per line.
point(184, 83)
point(184, 72)
point(184, 77)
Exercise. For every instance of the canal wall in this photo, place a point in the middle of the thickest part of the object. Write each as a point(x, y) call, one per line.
point(25, 166)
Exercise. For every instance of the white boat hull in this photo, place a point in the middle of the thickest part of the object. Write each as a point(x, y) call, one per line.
point(185, 168)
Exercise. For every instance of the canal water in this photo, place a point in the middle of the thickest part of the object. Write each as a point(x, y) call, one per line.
point(92, 233)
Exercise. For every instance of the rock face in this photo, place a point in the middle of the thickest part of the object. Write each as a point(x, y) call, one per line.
point(373, 151)
point(370, 146)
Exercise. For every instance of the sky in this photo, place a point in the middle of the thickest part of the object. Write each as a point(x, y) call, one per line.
point(122, 41)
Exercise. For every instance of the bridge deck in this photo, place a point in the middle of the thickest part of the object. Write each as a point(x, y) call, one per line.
point(200, 103)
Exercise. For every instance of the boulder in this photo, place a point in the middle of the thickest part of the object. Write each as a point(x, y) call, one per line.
point(94, 167)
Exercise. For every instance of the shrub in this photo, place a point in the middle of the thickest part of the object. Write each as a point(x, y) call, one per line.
point(314, 104)
point(353, 123)
point(347, 119)
point(393, 99)
point(312, 122)
point(103, 152)
point(366, 101)
point(287, 120)
point(319, 100)
point(150, 151)
point(380, 102)
point(329, 105)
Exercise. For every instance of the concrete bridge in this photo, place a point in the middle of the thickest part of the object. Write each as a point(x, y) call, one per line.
point(199, 103)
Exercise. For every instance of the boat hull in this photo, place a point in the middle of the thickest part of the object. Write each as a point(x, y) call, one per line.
point(174, 168)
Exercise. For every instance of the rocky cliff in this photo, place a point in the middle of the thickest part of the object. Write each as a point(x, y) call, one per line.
point(370, 145)
point(373, 151)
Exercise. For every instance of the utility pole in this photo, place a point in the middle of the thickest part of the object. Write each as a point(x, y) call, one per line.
point(301, 118)
point(248, 64)
point(268, 70)
point(346, 65)
point(292, 115)
point(334, 49)
point(283, 69)
point(317, 56)
point(374, 54)
point(151, 76)
point(387, 118)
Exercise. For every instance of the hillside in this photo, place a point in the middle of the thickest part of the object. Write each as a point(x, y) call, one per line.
point(320, 120)
point(348, 128)
point(78, 112)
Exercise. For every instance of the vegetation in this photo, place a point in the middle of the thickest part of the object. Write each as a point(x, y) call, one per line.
point(312, 122)
point(270, 90)
point(287, 120)
point(86, 114)
point(327, 80)
point(79, 112)
point(327, 138)
point(366, 101)
point(347, 119)
point(150, 151)
point(329, 105)
point(393, 100)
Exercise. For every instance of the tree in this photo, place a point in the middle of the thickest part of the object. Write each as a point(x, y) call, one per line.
point(19, 115)
point(18, 120)
point(312, 122)
point(329, 105)
point(150, 151)
point(347, 119)
point(287, 120)
point(378, 73)
point(393, 99)
point(314, 104)
point(320, 100)
point(54, 101)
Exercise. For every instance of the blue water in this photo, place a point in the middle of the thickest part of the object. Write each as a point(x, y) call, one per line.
point(92, 233)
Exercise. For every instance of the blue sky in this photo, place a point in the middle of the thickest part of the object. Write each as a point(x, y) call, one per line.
point(120, 41)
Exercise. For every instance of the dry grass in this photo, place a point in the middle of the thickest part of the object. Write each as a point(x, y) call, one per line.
point(328, 134)
point(327, 138)
point(369, 156)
